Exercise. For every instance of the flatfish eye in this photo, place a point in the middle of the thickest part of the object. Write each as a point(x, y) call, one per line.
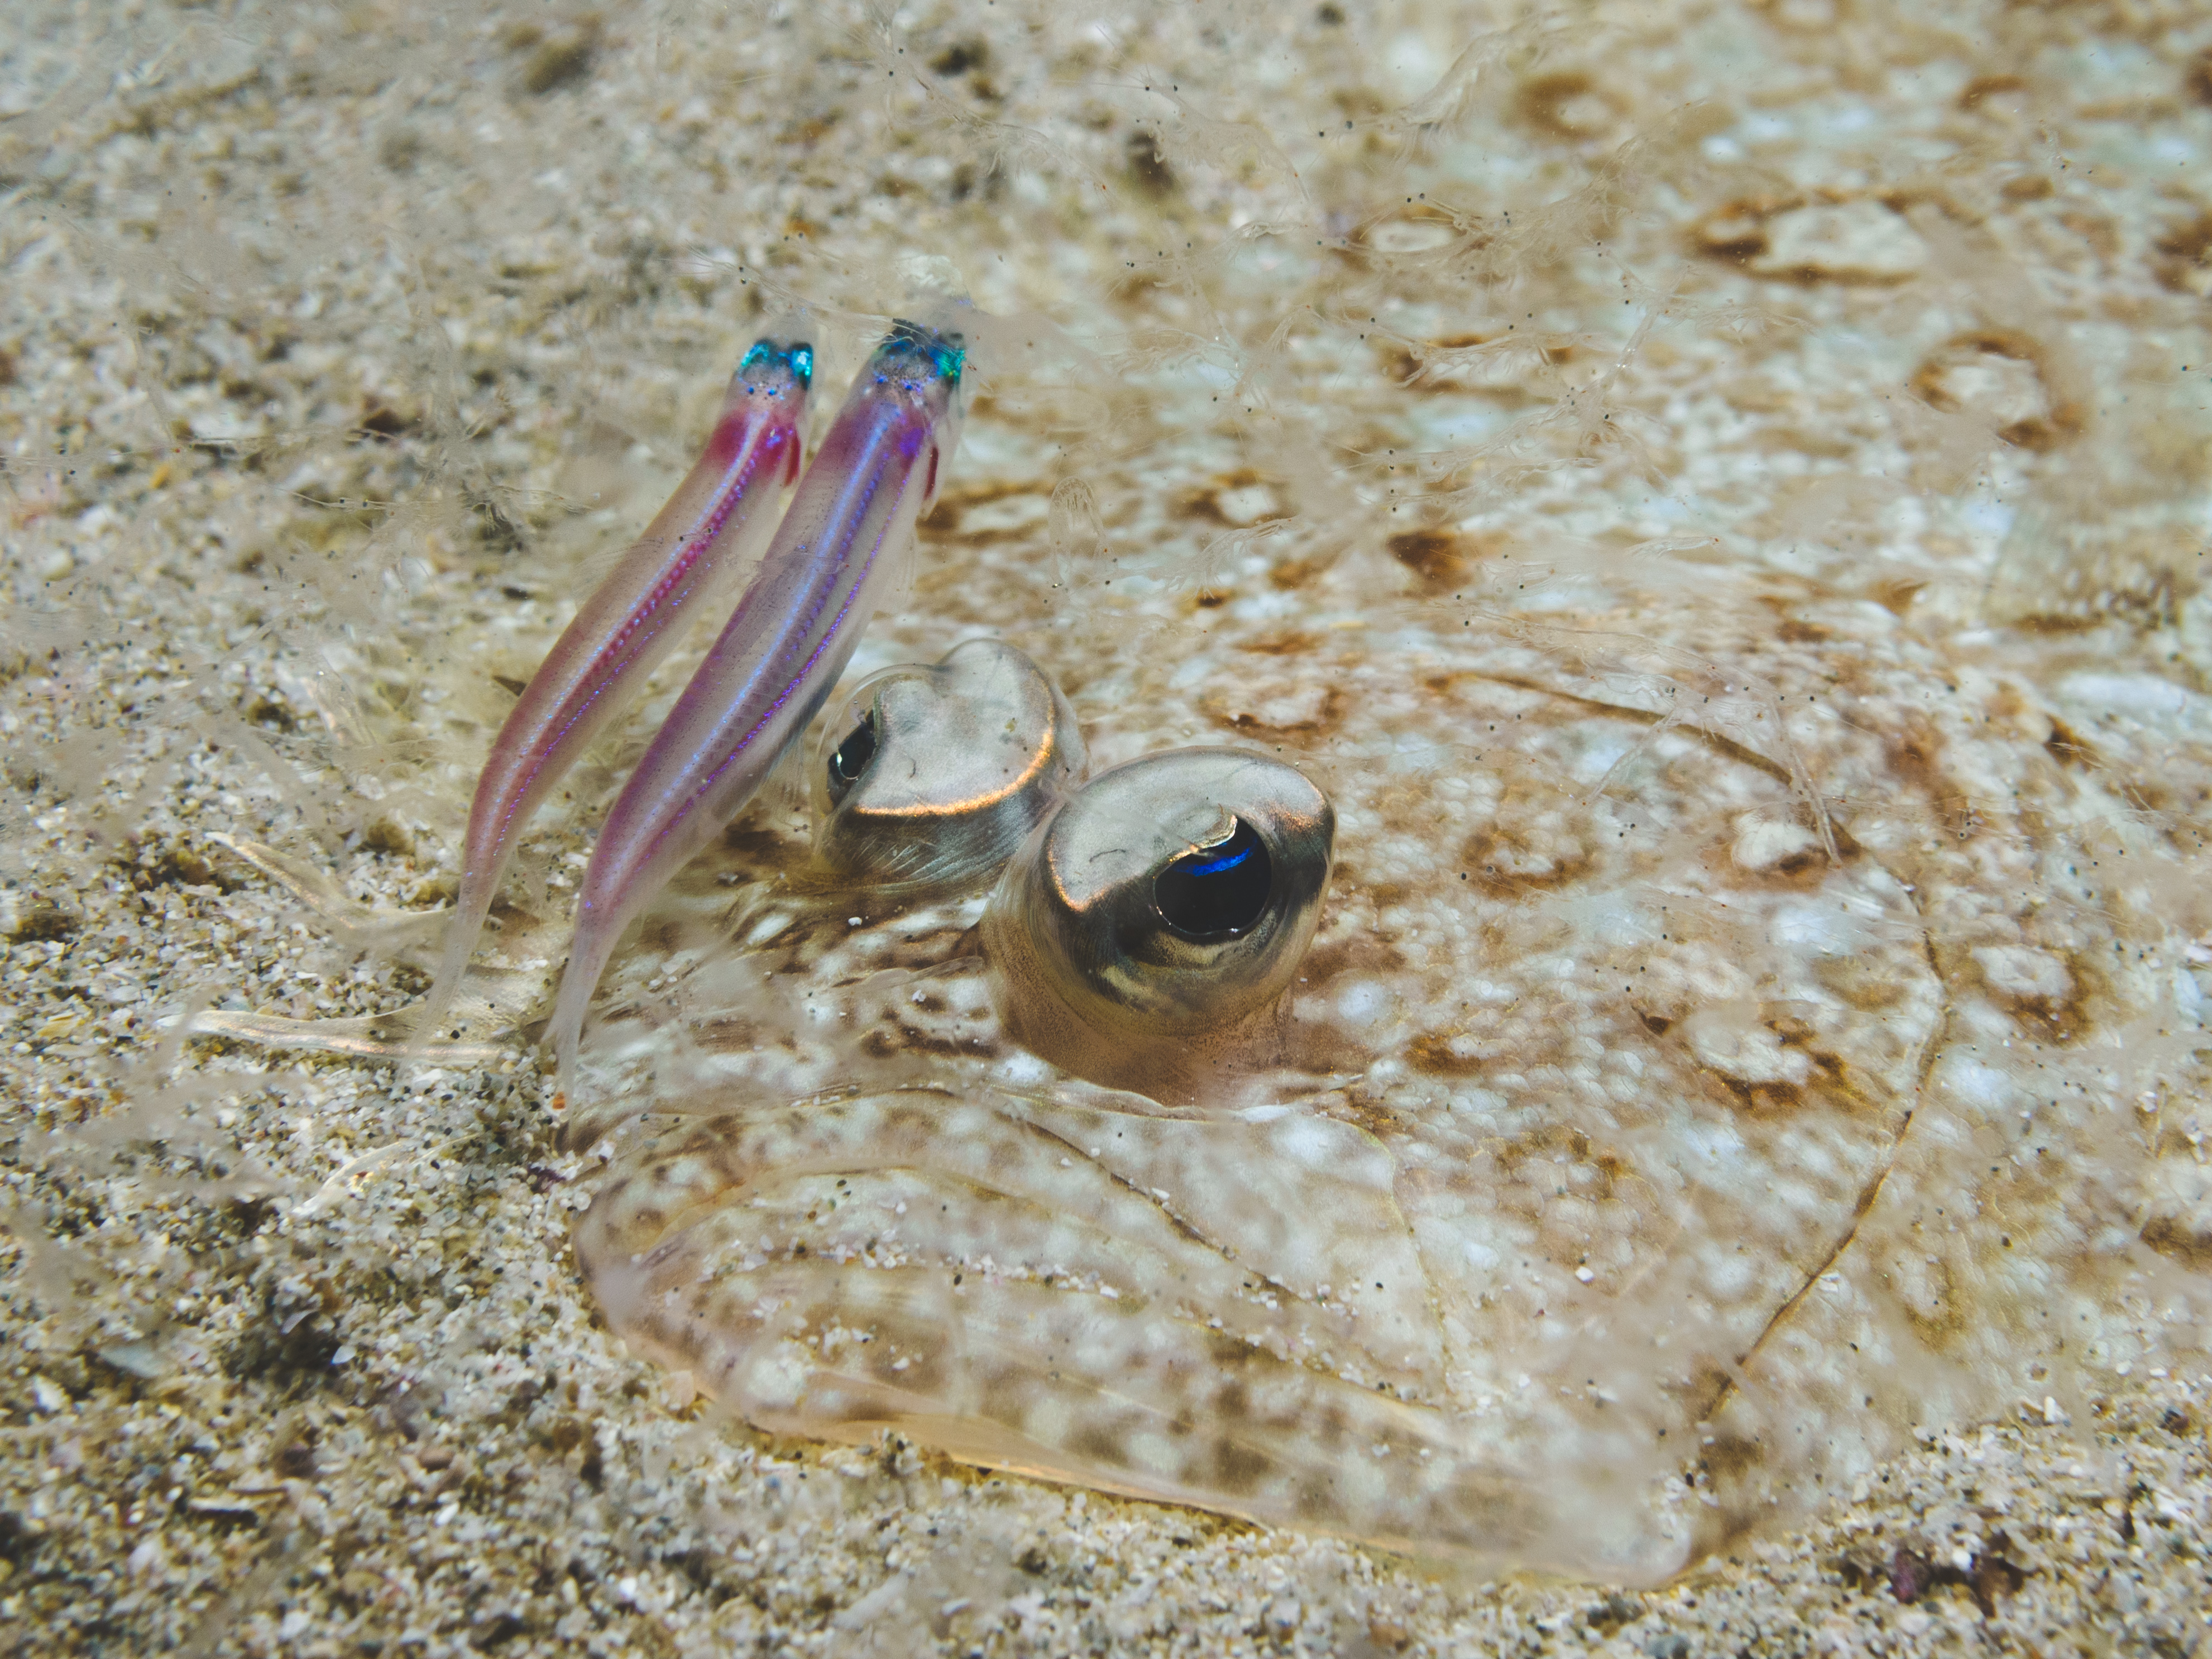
point(1216, 892)
point(850, 758)
point(1164, 906)
point(943, 770)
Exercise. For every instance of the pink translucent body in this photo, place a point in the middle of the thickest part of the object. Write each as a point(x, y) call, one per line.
point(718, 516)
point(836, 553)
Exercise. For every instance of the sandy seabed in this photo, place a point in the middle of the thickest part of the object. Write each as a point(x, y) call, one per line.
point(337, 343)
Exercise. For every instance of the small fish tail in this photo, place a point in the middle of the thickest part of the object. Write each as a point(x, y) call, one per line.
point(587, 960)
point(470, 907)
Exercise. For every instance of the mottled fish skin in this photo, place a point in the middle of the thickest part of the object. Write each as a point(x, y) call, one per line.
point(1619, 1172)
point(717, 517)
point(835, 556)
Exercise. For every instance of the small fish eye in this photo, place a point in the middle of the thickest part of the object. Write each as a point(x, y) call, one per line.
point(1163, 905)
point(944, 770)
point(850, 758)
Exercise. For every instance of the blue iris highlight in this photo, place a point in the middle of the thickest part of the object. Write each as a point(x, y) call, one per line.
point(1226, 861)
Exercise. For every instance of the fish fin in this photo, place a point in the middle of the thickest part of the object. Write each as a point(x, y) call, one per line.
point(785, 788)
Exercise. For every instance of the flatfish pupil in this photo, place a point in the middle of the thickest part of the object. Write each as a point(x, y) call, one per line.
point(1217, 891)
point(853, 756)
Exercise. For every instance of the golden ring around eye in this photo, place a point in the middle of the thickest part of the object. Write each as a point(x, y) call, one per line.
point(1170, 899)
point(933, 775)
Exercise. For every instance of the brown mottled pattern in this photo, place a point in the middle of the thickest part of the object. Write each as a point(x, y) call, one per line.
point(1697, 1130)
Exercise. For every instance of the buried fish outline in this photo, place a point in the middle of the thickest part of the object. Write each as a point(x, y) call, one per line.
point(1620, 1173)
point(1622, 1170)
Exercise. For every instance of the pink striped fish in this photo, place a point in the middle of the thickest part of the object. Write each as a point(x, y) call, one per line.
point(718, 516)
point(837, 553)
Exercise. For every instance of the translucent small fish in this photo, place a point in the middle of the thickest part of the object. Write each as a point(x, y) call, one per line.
point(716, 519)
point(835, 556)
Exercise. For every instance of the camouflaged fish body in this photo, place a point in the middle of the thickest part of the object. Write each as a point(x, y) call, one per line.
point(1659, 1125)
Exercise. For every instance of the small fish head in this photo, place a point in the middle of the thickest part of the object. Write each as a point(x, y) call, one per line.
point(772, 382)
point(925, 366)
point(776, 368)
